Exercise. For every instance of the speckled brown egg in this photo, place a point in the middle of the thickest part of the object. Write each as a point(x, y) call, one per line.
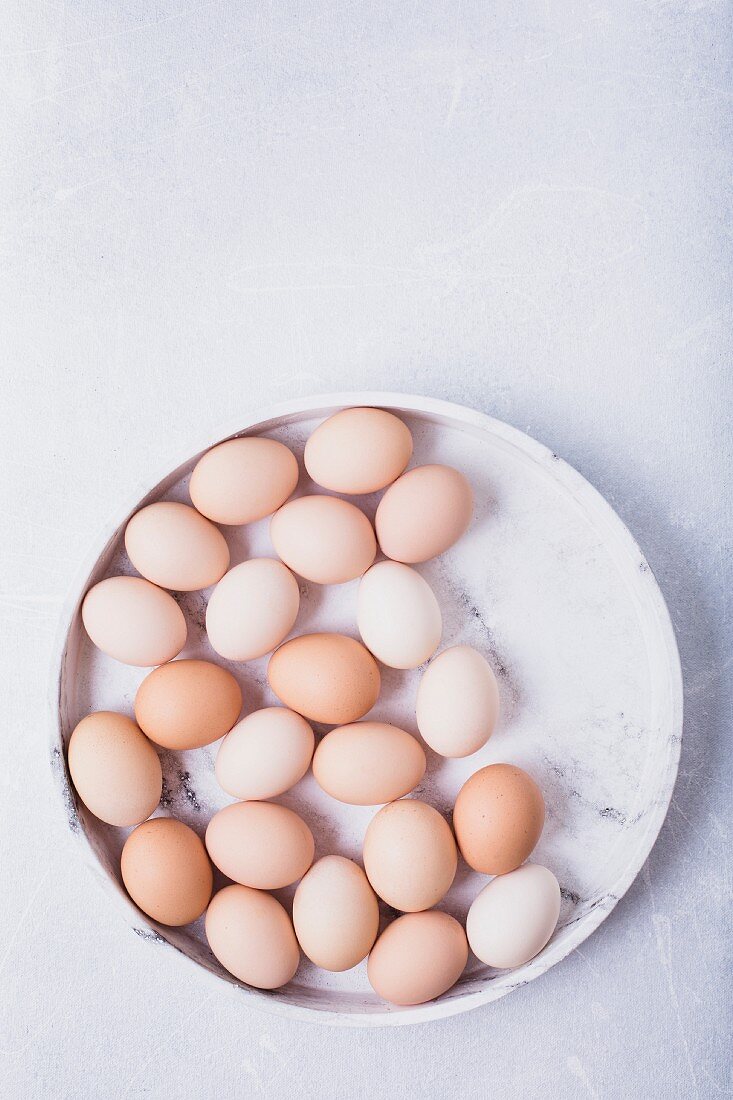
point(498, 818)
point(114, 768)
point(417, 958)
point(325, 677)
point(187, 704)
point(166, 871)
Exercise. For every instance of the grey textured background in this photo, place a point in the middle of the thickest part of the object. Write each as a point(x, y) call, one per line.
point(524, 207)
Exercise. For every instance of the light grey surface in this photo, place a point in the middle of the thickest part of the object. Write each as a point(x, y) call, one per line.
point(521, 207)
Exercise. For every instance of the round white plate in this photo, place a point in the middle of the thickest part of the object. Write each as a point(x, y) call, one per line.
point(550, 586)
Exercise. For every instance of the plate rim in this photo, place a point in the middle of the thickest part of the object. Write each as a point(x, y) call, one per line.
point(258, 419)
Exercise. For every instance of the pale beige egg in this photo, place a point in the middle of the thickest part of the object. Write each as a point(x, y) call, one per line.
point(358, 451)
point(398, 615)
point(513, 917)
point(457, 702)
point(134, 621)
point(423, 513)
point(417, 958)
point(187, 704)
point(324, 539)
point(114, 768)
point(325, 677)
point(498, 818)
point(251, 935)
point(166, 871)
point(265, 754)
point(243, 480)
point(173, 546)
point(253, 607)
point(409, 855)
point(368, 763)
point(335, 914)
point(260, 844)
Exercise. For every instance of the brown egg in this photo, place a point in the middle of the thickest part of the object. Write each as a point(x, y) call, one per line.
point(498, 818)
point(417, 958)
point(260, 844)
point(243, 480)
point(252, 937)
point(409, 855)
point(358, 451)
point(173, 545)
point(423, 513)
point(324, 539)
point(335, 914)
point(325, 677)
point(187, 704)
point(114, 768)
point(134, 621)
point(368, 763)
point(166, 871)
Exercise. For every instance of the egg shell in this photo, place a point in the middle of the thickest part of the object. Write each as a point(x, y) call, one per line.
point(368, 763)
point(253, 607)
point(114, 768)
point(265, 754)
point(498, 818)
point(335, 914)
point(173, 546)
point(243, 480)
point(251, 935)
point(327, 678)
point(417, 958)
point(134, 621)
point(398, 615)
point(260, 844)
point(457, 702)
point(166, 871)
point(187, 704)
point(513, 917)
point(409, 855)
point(358, 451)
point(423, 513)
point(324, 539)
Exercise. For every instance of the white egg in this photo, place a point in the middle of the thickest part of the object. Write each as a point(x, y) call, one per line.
point(457, 702)
point(513, 917)
point(398, 615)
point(265, 754)
point(252, 608)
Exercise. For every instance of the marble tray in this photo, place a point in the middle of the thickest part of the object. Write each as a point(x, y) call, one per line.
point(549, 585)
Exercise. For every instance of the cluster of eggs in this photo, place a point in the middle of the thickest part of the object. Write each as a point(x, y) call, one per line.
point(410, 852)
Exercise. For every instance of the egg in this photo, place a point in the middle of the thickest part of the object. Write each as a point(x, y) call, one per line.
point(335, 914)
point(409, 855)
point(114, 768)
point(498, 818)
point(187, 704)
point(457, 702)
point(423, 513)
point(417, 958)
point(253, 607)
point(358, 451)
point(251, 935)
point(398, 615)
point(513, 917)
point(368, 763)
point(134, 621)
point(265, 754)
point(243, 480)
point(324, 539)
point(260, 844)
point(173, 546)
point(325, 677)
point(166, 871)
